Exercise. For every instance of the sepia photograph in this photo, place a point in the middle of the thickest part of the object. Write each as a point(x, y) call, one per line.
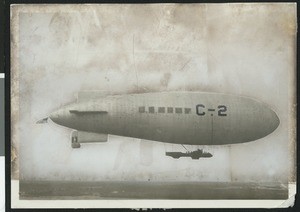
point(153, 105)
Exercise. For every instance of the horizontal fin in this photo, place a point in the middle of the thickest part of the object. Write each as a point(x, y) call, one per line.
point(88, 112)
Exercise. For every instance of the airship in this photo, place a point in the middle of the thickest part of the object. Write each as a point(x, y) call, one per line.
point(186, 118)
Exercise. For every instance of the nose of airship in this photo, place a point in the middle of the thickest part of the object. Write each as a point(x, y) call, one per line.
point(255, 121)
point(266, 122)
point(273, 120)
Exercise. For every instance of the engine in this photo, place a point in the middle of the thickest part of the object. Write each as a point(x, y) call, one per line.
point(78, 137)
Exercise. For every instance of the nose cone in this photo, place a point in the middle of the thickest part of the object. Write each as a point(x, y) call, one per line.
point(273, 121)
point(265, 121)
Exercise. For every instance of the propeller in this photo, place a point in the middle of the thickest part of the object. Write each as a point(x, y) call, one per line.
point(43, 121)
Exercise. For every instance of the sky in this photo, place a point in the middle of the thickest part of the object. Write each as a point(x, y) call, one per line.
point(238, 49)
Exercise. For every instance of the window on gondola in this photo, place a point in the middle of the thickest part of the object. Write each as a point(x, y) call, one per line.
point(151, 109)
point(142, 109)
point(187, 110)
point(178, 110)
point(161, 110)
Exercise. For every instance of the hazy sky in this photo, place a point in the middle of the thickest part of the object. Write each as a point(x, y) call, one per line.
point(245, 50)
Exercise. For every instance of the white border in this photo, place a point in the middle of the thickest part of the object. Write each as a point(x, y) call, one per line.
point(2, 183)
point(2, 173)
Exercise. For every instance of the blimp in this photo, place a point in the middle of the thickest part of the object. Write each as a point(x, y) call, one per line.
point(185, 118)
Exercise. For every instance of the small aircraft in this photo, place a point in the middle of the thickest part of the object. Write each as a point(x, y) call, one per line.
point(187, 118)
